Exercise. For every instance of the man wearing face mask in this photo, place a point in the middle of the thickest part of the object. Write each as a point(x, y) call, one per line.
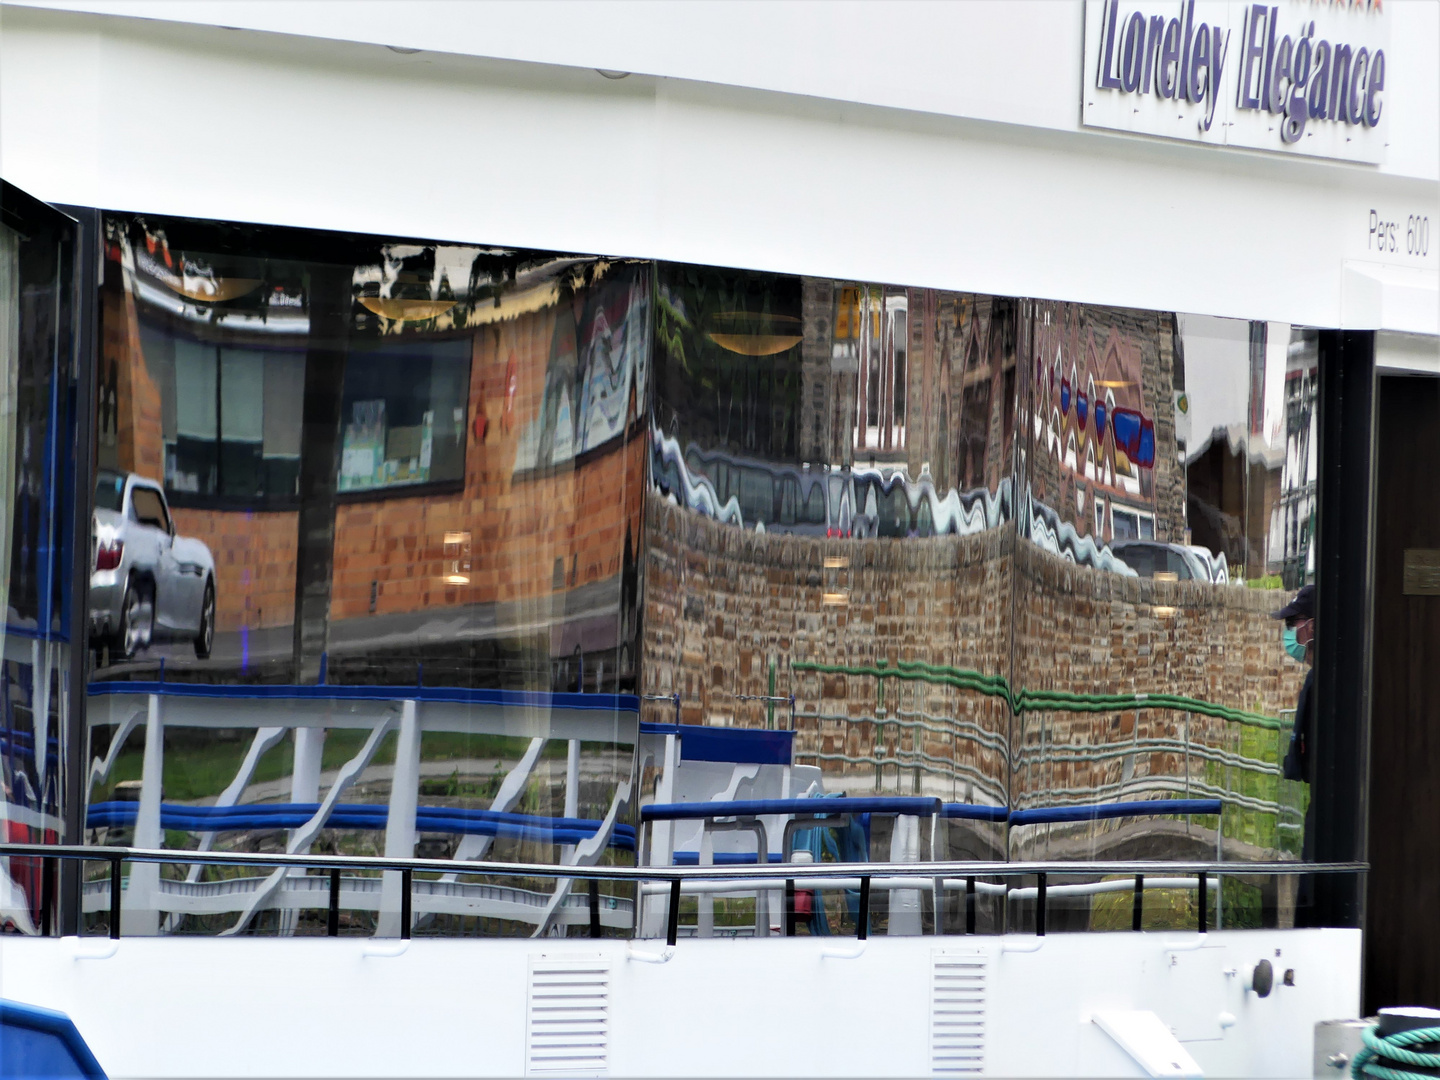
point(1299, 639)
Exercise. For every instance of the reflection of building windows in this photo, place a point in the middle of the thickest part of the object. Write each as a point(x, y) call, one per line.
point(1130, 524)
point(876, 324)
point(230, 417)
point(404, 414)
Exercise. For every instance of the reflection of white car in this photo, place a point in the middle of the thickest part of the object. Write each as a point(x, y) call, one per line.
point(1150, 557)
point(146, 582)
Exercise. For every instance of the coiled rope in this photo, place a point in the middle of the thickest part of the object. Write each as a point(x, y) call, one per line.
point(1383, 1053)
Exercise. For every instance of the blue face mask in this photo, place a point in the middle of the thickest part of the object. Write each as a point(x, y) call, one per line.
point(1293, 646)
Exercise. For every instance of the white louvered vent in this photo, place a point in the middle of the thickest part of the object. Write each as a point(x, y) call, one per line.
point(567, 1022)
point(957, 1012)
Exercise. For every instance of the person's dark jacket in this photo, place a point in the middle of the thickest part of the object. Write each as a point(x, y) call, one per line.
point(1298, 764)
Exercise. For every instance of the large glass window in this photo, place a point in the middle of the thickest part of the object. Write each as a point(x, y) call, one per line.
point(331, 461)
point(1014, 556)
point(38, 397)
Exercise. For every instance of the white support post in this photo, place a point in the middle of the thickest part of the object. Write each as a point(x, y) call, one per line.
point(400, 825)
point(305, 777)
point(139, 916)
point(654, 909)
point(705, 902)
point(905, 903)
point(304, 788)
point(572, 793)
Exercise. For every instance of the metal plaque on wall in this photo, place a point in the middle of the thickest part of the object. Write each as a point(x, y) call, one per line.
point(1422, 571)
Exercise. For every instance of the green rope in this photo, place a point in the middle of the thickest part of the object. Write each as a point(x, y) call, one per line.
point(1039, 700)
point(1391, 1048)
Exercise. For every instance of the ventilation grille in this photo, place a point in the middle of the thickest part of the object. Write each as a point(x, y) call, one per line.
point(568, 1016)
point(957, 1012)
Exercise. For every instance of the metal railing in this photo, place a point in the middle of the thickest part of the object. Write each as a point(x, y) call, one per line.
point(939, 877)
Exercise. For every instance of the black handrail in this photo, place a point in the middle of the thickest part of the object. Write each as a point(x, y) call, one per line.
point(784, 875)
point(778, 871)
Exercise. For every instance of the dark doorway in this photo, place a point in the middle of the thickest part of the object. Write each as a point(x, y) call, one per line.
point(1402, 932)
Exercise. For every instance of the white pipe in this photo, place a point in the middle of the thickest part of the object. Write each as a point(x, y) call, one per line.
point(651, 958)
point(384, 951)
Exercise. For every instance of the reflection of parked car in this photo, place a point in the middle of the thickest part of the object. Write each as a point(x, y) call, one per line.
point(146, 581)
point(1149, 558)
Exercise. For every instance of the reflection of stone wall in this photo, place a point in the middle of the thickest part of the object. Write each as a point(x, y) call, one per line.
point(722, 603)
point(1089, 631)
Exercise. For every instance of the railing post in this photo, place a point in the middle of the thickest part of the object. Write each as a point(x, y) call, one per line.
point(1040, 906)
point(407, 880)
point(789, 907)
point(1137, 909)
point(1203, 899)
point(939, 906)
point(47, 894)
point(332, 919)
point(672, 924)
point(115, 899)
point(594, 889)
point(862, 923)
point(970, 905)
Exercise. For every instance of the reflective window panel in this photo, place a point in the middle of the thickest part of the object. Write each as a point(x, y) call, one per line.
point(368, 514)
point(37, 433)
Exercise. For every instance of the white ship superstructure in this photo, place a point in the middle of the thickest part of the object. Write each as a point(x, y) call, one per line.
point(606, 539)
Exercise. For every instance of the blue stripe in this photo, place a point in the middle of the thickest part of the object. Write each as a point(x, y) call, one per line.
point(534, 699)
point(1051, 814)
point(722, 858)
point(917, 806)
point(971, 812)
point(454, 820)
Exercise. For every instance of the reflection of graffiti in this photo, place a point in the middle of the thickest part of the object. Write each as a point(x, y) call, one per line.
point(595, 377)
point(1047, 529)
point(856, 503)
point(838, 502)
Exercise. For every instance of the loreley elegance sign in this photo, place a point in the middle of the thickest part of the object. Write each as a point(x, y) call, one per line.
point(1299, 76)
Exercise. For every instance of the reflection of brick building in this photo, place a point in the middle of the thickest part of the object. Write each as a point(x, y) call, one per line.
point(956, 363)
point(497, 538)
point(723, 604)
point(254, 550)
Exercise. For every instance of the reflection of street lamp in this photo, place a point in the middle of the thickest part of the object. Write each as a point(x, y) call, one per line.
point(406, 310)
point(754, 334)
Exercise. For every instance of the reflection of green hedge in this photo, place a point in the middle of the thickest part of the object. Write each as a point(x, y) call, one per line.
point(197, 771)
point(1269, 581)
point(1176, 909)
point(1254, 826)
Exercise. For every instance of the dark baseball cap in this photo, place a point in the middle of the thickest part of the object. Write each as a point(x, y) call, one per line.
point(1301, 607)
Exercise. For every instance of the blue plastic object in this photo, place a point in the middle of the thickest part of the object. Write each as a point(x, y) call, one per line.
point(436, 819)
point(743, 746)
point(38, 1043)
